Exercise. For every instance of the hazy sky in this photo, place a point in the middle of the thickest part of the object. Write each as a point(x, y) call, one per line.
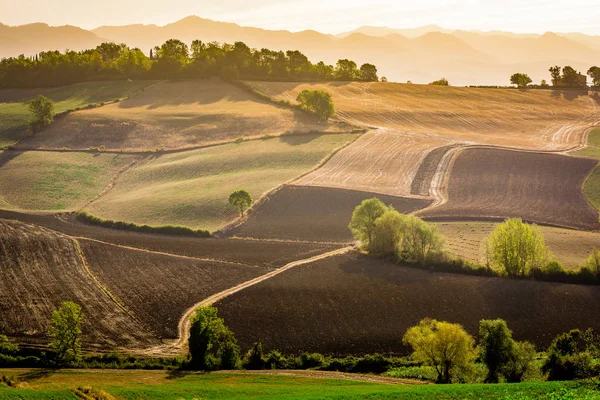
point(330, 16)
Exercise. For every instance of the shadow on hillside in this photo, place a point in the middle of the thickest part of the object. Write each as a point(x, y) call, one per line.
point(569, 94)
point(37, 374)
point(7, 156)
point(178, 373)
point(299, 138)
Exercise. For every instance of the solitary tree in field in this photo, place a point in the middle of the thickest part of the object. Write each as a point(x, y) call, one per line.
point(363, 220)
point(384, 79)
point(318, 102)
point(242, 199)
point(442, 345)
point(594, 73)
point(521, 80)
point(555, 74)
point(42, 112)
point(65, 329)
point(517, 248)
point(368, 73)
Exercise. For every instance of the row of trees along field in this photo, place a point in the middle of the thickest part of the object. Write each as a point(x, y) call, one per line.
point(514, 249)
point(560, 77)
point(173, 59)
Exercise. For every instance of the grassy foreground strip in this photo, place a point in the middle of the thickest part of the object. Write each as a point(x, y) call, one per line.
point(136, 384)
point(130, 226)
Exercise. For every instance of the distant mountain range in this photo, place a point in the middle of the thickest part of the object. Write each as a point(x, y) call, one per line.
point(420, 55)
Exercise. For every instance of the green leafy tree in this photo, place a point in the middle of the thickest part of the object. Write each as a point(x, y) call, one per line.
point(442, 345)
point(211, 344)
point(517, 248)
point(496, 346)
point(172, 49)
point(384, 79)
point(569, 76)
point(318, 102)
point(519, 362)
point(593, 263)
point(594, 73)
point(42, 112)
point(65, 330)
point(242, 199)
point(6, 347)
point(555, 75)
point(521, 80)
point(440, 82)
point(368, 73)
point(363, 220)
point(387, 233)
point(420, 240)
point(567, 358)
point(346, 70)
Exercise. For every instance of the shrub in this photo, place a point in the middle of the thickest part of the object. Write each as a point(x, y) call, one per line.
point(242, 199)
point(516, 248)
point(42, 112)
point(311, 360)
point(496, 346)
point(420, 240)
point(318, 102)
point(519, 362)
point(440, 82)
point(6, 347)
point(363, 220)
point(387, 233)
point(254, 358)
point(442, 345)
point(568, 358)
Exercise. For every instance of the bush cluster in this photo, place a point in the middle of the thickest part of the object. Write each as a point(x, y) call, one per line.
point(130, 226)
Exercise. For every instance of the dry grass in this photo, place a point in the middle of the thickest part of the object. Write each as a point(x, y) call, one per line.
point(570, 247)
point(192, 188)
point(532, 119)
point(41, 269)
point(52, 181)
point(176, 115)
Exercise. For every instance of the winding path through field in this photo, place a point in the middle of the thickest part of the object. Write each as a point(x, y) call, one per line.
point(184, 323)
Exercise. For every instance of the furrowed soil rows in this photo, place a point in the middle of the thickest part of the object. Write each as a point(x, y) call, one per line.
point(173, 115)
point(531, 119)
point(251, 252)
point(312, 213)
point(40, 269)
point(498, 184)
point(381, 161)
point(356, 304)
point(158, 288)
point(570, 247)
point(421, 184)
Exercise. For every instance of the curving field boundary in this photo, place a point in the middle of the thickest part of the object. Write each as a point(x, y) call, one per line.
point(185, 322)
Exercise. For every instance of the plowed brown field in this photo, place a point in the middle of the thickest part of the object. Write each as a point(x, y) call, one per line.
point(354, 304)
point(313, 213)
point(175, 115)
point(498, 184)
point(39, 270)
point(159, 288)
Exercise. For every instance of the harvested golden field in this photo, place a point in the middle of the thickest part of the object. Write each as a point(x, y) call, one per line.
point(530, 119)
point(497, 184)
point(192, 188)
point(570, 247)
point(414, 120)
point(55, 181)
point(40, 269)
point(175, 115)
point(356, 304)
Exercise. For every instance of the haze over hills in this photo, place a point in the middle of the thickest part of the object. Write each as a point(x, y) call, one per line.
point(420, 55)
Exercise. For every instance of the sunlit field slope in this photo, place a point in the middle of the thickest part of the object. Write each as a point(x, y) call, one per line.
point(14, 112)
point(192, 188)
point(174, 115)
point(53, 181)
point(535, 119)
point(570, 247)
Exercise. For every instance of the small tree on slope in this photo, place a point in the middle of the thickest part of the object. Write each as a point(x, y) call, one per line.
point(242, 199)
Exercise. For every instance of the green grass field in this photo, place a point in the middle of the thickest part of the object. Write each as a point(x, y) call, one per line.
point(14, 115)
point(192, 188)
point(52, 181)
point(593, 145)
point(136, 384)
